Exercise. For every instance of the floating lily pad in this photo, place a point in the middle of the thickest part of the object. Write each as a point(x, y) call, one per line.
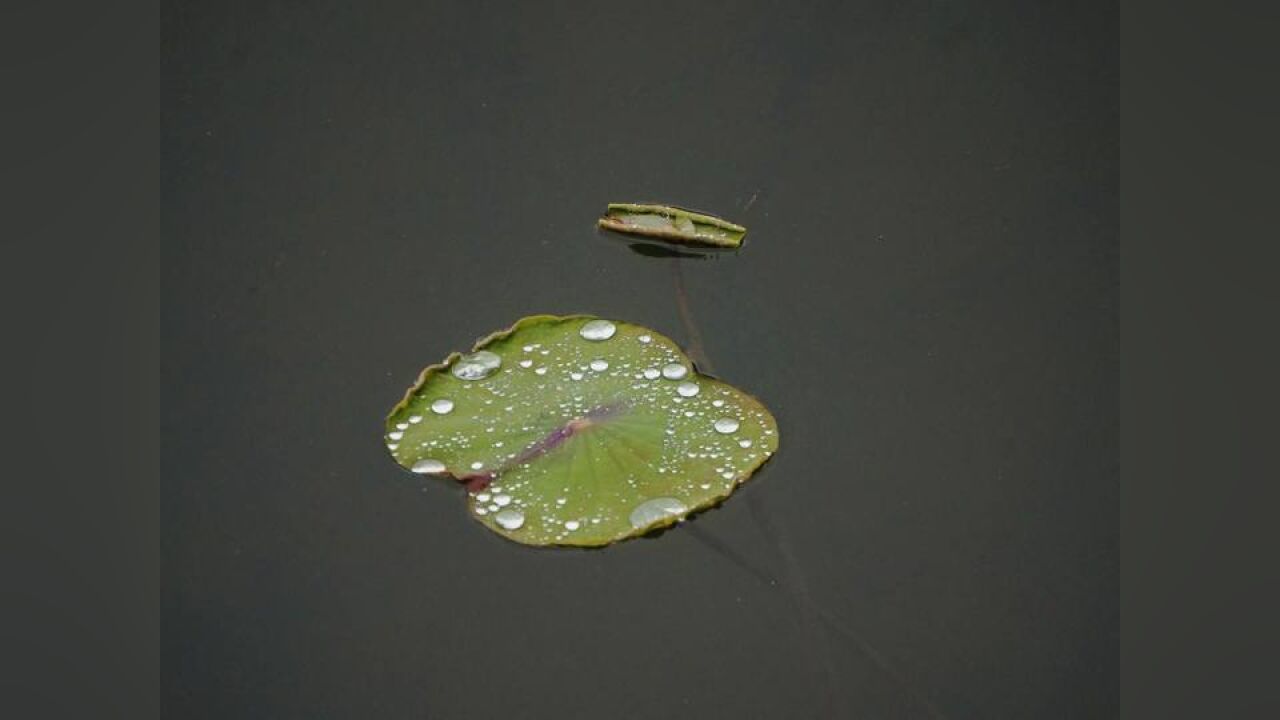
point(580, 431)
point(673, 224)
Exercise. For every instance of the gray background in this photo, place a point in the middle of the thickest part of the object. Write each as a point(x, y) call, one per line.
point(926, 301)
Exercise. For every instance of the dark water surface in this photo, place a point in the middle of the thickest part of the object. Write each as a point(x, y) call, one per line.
point(926, 301)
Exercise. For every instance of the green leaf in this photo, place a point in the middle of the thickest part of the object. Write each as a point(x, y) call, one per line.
point(673, 224)
point(580, 431)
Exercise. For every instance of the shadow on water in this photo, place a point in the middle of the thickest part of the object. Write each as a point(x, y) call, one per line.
point(653, 250)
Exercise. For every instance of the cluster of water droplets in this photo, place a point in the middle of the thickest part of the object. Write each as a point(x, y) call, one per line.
point(514, 394)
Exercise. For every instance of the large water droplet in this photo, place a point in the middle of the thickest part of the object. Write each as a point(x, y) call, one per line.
point(476, 366)
point(395, 435)
point(726, 426)
point(599, 365)
point(415, 419)
point(510, 519)
point(428, 466)
point(598, 330)
point(443, 406)
point(687, 389)
point(502, 500)
point(652, 511)
point(674, 371)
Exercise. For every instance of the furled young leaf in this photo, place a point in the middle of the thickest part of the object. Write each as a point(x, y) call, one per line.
point(673, 224)
point(580, 431)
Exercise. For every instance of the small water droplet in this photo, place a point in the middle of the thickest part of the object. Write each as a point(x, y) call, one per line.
point(575, 375)
point(528, 348)
point(443, 406)
point(502, 500)
point(652, 511)
point(395, 435)
point(476, 366)
point(599, 365)
point(644, 338)
point(541, 371)
point(674, 371)
point(598, 330)
point(560, 501)
point(392, 446)
point(726, 426)
point(572, 525)
point(744, 443)
point(717, 403)
point(726, 475)
point(652, 373)
point(482, 497)
point(428, 466)
point(526, 363)
point(687, 389)
point(477, 465)
point(510, 519)
point(415, 419)
point(402, 426)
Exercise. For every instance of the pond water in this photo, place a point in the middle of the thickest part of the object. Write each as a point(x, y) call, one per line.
point(925, 300)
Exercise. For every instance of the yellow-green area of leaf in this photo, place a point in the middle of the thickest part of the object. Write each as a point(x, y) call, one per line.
point(673, 224)
point(581, 431)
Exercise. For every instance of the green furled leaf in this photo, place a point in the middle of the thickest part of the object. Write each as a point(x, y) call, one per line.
point(580, 431)
point(673, 224)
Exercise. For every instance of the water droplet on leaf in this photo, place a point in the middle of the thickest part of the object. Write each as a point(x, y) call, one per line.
point(674, 371)
point(598, 330)
point(687, 389)
point(428, 466)
point(476, 366)
point(510, 519)
point(656, 510)
point(726, 426)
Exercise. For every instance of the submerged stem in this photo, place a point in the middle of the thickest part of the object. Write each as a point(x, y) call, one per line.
point(696, 349)
point(812, 617)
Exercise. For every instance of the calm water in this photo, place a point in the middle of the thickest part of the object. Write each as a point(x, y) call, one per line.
point(926, 301)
